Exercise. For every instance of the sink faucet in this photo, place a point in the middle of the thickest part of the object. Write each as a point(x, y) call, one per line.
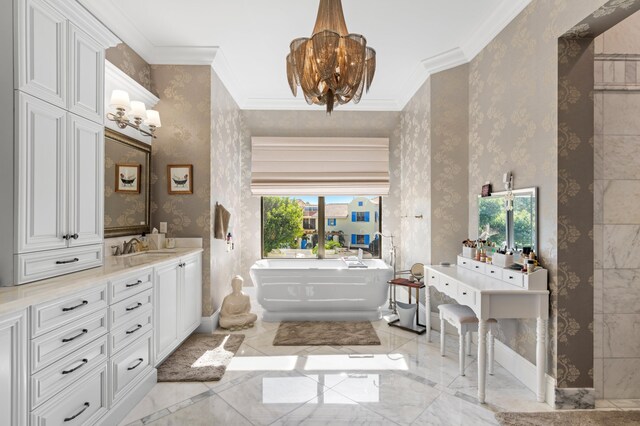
point(128, 247)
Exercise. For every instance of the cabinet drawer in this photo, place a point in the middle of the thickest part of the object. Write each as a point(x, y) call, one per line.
point(51, 315)
point(448, 286)
point(53, 346)
point(433, 278)
point(45, 264)
point(464, 262)
point(466, 296)
point(60, 375)
point(513, 277)
point(129, 308)
point(130, 330)
point(84, 403)
point(478, 266)
point(130, 364)
point(121, 288)
point(493, 271)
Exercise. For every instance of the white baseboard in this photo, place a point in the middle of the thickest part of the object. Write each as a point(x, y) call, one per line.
point(510, 360)
point(209, 324)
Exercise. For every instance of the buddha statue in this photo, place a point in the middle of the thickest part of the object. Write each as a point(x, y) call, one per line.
point(236, 308)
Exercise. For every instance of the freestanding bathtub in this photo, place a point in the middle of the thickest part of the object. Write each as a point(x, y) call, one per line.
point(320, 289)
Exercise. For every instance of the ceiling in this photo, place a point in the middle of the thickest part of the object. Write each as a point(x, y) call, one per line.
point(246, 41)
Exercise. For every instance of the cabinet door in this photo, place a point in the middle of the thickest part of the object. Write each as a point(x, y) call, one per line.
point(42, 51)
point(166, 309)
point(41, 175)
point(190, 295)
point(13, 369)
point(86, 75)
point(86, 181)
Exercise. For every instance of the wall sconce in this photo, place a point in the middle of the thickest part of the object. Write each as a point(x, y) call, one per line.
point(133, 110)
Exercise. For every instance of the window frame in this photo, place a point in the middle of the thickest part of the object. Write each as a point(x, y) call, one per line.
point(321, 223)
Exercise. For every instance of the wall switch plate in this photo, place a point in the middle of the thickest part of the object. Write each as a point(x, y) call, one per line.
point(163, 227)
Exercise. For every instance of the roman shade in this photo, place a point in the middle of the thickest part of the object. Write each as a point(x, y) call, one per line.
point(319, 166)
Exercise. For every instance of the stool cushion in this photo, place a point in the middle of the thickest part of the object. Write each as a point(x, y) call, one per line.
point(460, 314)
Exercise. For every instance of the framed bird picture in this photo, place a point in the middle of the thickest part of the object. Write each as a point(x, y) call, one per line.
point(128, 178)
point(180, 178)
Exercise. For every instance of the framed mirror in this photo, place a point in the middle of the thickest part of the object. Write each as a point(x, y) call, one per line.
point(127, 185)
point(516, 227)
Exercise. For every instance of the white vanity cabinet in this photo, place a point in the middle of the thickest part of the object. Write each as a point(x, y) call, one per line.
point(86, 75)
point(69, 358)
point(13, 369)
point(57, 61)
point(41, 68)
point(57, 159)
point(178, 301)
point(60, 191)
point(190, 294)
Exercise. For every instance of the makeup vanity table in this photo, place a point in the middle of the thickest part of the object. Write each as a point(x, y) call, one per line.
point(494, 292)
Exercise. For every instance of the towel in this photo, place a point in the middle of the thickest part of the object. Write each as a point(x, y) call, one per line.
point(221, 223)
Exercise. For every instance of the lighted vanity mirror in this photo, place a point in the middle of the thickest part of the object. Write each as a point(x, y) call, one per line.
point(126, 185)
point(517, 227)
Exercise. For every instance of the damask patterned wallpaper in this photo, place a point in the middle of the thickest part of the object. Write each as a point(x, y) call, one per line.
point(513, 119)
point(434, 155)
point(310, 124)
point(184, 138)
point(131, 63)
point(227, 136)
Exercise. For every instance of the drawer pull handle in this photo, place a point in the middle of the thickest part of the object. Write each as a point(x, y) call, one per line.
point(446, 283)
point(477, 267)
point(432, 277)
point(82, 364)
point(66, 237)
point(84, 302)
point(134, 284)
point(133, 367)
point(70, 339)
point(464, 293)
point(86, 405)
point(75, 236)
point(133, 308)
point(510, 277)
point(493, 272)
point(133, 330)
point(64, 262)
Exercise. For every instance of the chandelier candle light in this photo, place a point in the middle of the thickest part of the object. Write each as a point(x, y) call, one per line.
point(332, 67)
point(135, 110)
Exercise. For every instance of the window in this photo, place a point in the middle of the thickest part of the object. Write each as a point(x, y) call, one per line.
point(291, 226)
point(360, 216)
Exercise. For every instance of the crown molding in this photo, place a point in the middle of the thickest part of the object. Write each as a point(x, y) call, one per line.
point(491, 27)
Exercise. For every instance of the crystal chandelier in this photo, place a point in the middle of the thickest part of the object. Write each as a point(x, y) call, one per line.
point(332, 67)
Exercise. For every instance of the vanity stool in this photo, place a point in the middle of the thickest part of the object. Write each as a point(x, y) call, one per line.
point(464, 319)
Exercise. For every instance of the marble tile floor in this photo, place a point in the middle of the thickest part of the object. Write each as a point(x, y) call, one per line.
point(403, 381)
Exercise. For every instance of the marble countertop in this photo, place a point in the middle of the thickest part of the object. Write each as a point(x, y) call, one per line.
point(16, 298)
